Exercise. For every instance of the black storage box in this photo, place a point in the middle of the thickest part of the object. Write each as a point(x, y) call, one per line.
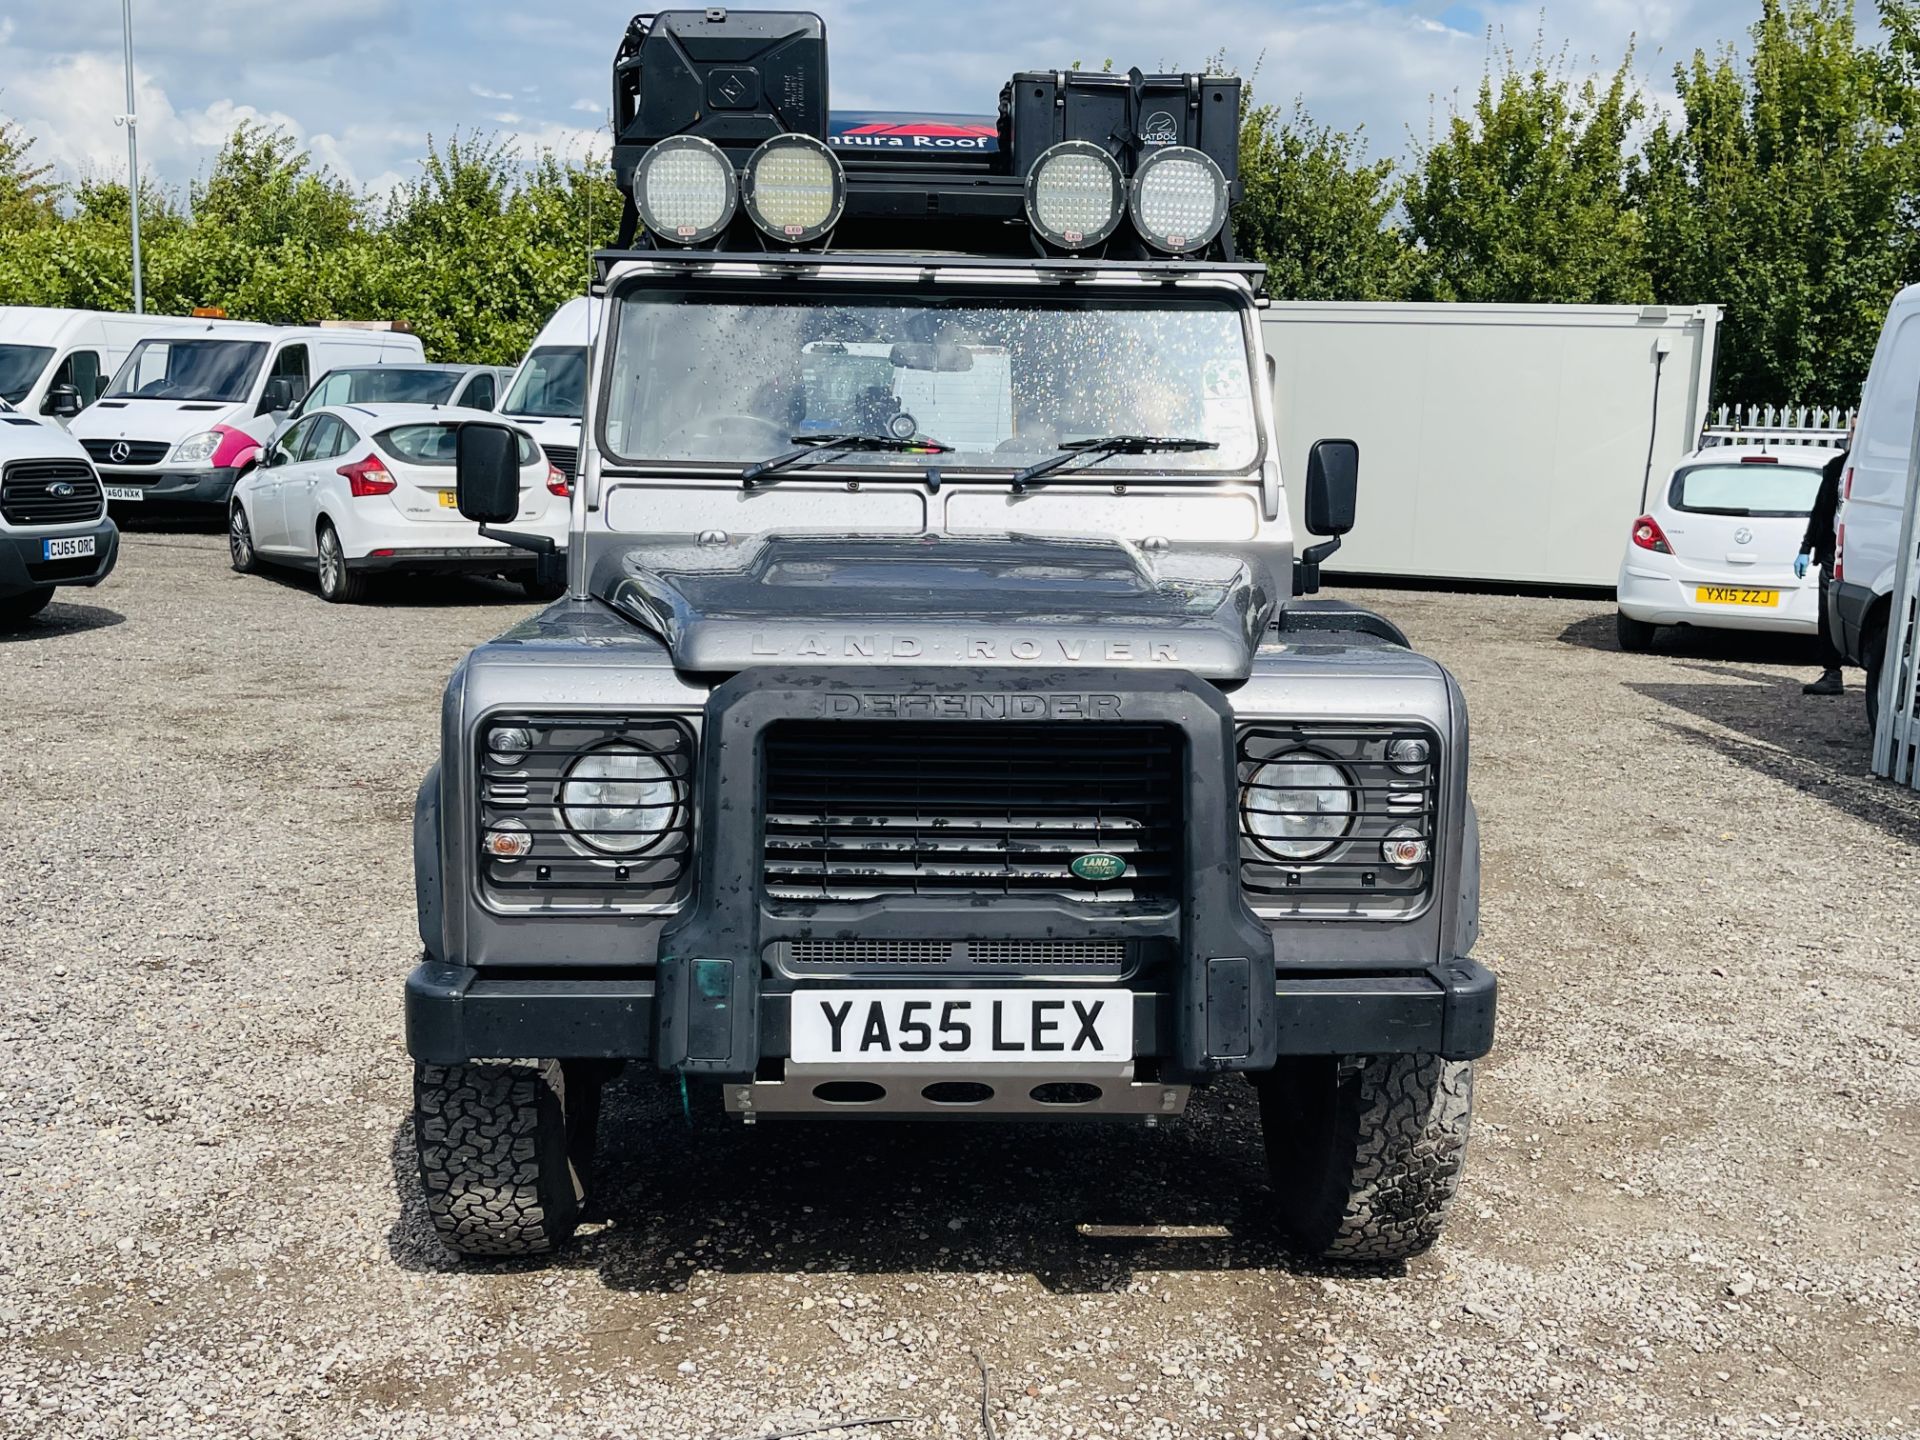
point(1129, 116)
point(735, 77)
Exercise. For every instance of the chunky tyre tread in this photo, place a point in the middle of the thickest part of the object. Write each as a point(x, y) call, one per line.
point(493, 1157)
point(1388, 1143)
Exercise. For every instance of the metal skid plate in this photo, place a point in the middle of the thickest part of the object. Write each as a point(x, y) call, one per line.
point(929, 1092)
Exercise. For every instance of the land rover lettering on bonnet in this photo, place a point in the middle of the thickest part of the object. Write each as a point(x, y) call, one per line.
point(941, 722)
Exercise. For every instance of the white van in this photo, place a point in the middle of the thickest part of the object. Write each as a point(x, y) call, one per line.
point(549, 389)
point(188, 411)
point(1873, 495)
point(54, 528)
point(55, 363)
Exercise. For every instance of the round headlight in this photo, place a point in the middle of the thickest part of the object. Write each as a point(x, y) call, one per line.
point(1298, 807)
point(619, 799)
point(1179, 200)
point(1075, 195)
point(794, 189)
point(685, 190)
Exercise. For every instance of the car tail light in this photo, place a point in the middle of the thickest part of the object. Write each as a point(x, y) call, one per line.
point(1648, 536)
point(1846, 486)
point(1759, 459)
point(557, 481)
point(1839, 552)
point(368, 477)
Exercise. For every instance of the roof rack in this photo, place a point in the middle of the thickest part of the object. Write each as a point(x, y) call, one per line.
point(1717, 436)
point(1063, 268)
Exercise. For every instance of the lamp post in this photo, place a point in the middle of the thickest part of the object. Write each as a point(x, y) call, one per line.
point(132, 121)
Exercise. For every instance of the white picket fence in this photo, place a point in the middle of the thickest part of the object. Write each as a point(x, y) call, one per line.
point(1778, 425)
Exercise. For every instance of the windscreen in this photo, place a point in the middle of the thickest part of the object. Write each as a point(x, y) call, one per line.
point(730, 376)
point(551, 385)
point(188, 370)
point(20, 366)
point(431, 444)
point(383, 384)
point(1746, 489)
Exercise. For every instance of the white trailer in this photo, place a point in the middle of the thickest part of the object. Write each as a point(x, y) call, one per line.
point(1504, 443)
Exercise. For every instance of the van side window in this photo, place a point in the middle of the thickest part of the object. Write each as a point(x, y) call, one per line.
point(81, 370)
point(292, 363)
point(479, 394)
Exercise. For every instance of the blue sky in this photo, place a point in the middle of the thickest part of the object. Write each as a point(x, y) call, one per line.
point(362, 83)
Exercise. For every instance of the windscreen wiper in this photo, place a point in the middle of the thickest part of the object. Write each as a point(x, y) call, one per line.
point(1106, 445)
point(816, 448)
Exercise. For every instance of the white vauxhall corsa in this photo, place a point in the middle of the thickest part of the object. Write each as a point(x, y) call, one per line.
point(1717, 545)
point(351, 491)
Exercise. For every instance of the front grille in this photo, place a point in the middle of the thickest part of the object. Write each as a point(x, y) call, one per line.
point(604, 803)
point(1346, 872)
point(27, 498)
point(567, 457)
point(138, 452)
point(1108, 955)
point(858, 811)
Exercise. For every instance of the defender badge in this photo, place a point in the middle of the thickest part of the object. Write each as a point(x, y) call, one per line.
point(1098, 867)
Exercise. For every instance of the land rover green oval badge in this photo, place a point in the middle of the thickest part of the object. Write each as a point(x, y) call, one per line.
point(1098, 867)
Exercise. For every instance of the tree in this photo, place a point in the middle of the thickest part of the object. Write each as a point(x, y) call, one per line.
point(26, 198)
point(1788, 190)
point(1317, 213)
point(1526, 197)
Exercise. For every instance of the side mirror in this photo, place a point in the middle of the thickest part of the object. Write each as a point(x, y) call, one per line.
point(1333, 486)
point(63, 401)
point(277, 395)
point(486, 472)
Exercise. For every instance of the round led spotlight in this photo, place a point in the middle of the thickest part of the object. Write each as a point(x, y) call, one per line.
point(1179, 200)
point(1075, 195)
point(685, 190)
point(794, 189)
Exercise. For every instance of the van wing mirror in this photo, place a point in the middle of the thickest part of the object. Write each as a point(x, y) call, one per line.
point(487, 472)
point(63, 401)
point(1333, 486)
point(277, 395)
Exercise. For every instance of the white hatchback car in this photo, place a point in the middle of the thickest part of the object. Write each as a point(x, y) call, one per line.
point(350, 491)
point(1717, 547)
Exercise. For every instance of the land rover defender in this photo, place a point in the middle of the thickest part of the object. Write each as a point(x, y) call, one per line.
point(939, 723)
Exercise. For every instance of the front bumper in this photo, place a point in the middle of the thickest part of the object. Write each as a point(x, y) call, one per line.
point(456, 1014)
point(186, 489)
point(24, 568)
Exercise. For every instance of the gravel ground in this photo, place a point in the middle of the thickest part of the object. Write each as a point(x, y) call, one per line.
point(1690, 1207)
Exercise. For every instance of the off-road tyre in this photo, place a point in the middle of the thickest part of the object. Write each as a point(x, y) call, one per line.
point(241, 554)
point(339, 583)
point(18, 609)
point(1365, 1153)
point(1873, 656)
point(505, 1153)
point(1634, 635)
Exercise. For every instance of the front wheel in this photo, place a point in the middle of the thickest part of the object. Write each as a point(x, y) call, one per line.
point(1634, 635)
point(338, 584)
point(1365, 1152)
point(505, 1153)
point(18, 609)
point(240, 552)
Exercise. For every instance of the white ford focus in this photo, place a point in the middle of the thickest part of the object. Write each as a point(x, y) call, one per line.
point(1716, 547)
point(351, 491)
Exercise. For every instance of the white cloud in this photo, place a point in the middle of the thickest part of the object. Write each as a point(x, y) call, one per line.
point(587, 107)
point(486, 94)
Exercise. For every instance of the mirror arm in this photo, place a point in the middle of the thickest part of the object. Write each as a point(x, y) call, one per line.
point(1306, 566)
point(520, 540)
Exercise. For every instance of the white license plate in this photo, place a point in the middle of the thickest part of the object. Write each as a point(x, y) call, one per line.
point(74, 548)
point(974, 1027)
point(125, 492)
